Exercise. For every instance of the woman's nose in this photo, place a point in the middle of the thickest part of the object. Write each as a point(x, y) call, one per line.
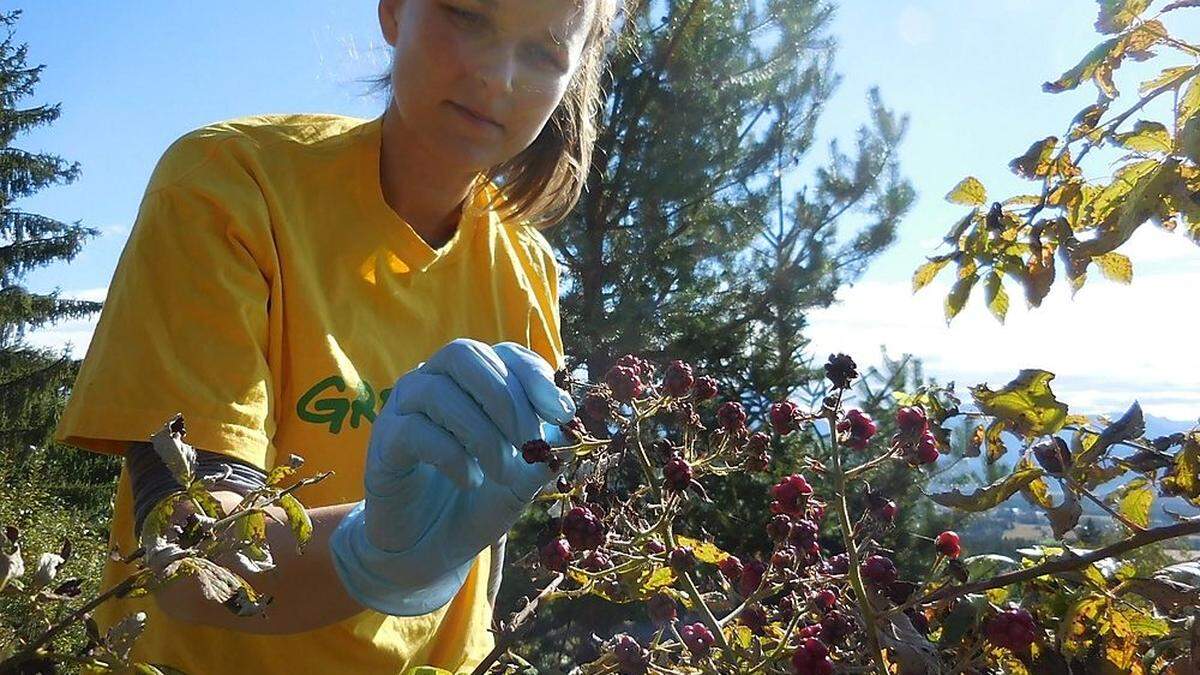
point(495, 66)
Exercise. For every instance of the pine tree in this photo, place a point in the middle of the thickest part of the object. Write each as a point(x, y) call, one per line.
point(33, 381)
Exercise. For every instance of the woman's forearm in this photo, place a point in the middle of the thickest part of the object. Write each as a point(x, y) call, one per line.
point(305, 590)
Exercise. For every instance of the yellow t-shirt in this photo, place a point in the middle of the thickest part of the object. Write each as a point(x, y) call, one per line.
point(271, 295)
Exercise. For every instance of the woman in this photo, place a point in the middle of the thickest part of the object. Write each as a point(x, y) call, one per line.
point(284, 270)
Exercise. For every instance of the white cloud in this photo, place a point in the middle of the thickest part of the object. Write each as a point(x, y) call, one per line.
point(915, 25)
point(1110, 345)
point(76, 334)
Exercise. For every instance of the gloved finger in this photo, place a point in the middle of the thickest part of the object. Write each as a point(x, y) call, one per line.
point(537, 379)
point(485, 377)
point(399, 441)
point(443, 401)
point(536, 476)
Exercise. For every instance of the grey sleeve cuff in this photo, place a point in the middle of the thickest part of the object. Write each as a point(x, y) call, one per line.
point(497, 569)
point(151, 480)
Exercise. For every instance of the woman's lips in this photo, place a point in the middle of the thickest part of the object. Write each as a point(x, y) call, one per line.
point(471, 116)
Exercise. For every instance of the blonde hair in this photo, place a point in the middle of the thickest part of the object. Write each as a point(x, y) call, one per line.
point(542, 184)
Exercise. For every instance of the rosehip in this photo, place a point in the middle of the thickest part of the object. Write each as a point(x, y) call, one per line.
point(911, 421)
point(1053, 455)
point(661, 608)
point(824, 600)
point(791, 493)
point(677, 473)
point(785, 417)
point(678, 379)
point(1013, 629)
point(751, 578)
point(731, 415)
point(879, 570)
point(812, 658)
point(596, 561)
point(840, 370)
point(730, 567)
point(624, 382)
point(535, 451)
point(682, 559)
point(556, 554)
point(784, 558)
point(947, 544)
point(704, 388)
point(631, 656)
point(583, 529)
point(698, 638)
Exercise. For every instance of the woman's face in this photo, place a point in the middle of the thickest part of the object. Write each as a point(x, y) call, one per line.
point(507, 60)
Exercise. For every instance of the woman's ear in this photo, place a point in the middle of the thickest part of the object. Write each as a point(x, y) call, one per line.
point(389, 10)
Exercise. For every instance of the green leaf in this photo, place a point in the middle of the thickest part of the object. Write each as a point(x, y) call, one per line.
point(1128, 427)
point(156, 522)
point(959, 292)
point(1134, 500)
point(1085, 69)
point(995, 296)
point(1086, 120)
point(216, 583)
point(1117, 15)
point(925, 273)
point(298, 520)
point(1146, 137)
point(1167, 76)
point(1189, 103)
point(989, 496)
point(969, 192)
point(208, 503)
point(1115, 266)
point(1027, 404)
point(995, 444)
point(1077, 631)
point(1184, 477)
point(1035, 163)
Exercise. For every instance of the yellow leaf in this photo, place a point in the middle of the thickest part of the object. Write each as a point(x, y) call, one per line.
point(1115, 266)
point(1168, 76)
point(1146, 136)
point(958, 295)
point(1026, 403)
point(969, 192)
point(1077, 630)
point(925, 273)
point(705, 551)
point(1035, 163)
point(989, 496)
point(995, 296)
point(1117, 15)
point(1134, 500)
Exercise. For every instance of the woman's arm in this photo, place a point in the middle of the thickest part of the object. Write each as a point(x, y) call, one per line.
point(306, 592)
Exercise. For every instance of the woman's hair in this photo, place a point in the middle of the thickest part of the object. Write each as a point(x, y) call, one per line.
point(542, 183)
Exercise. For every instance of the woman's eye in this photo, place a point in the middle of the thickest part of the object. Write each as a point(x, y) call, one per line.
point(463, 15)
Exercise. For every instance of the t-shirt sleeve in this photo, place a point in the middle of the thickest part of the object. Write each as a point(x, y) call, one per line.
point(184, 327)
point(546, 338)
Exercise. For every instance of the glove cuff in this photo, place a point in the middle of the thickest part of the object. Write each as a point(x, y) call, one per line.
point(369, 574)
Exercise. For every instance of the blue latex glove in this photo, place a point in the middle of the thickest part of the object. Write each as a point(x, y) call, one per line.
point(444, 474)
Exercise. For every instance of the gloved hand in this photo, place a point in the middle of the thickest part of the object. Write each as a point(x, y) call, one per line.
point(444, 473)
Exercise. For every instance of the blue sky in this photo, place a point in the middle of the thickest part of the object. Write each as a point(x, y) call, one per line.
point(132, 77)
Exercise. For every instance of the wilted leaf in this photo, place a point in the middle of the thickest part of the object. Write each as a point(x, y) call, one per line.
point(298, 520)
point(179, 457)
point(1129, 426)
point(1027, 404)
point(216, 583)
point(989, 496)
point(974, 443)
point(1117, 15)
point(1086, 120)
point(969, 192)
point(1115, 266)
point(1064, 517)
point(1146, 136)
point(1085, 69)
point(1035, 163)
point(995, 443)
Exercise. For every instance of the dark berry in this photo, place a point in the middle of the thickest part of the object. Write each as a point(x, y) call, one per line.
point(731, 568)
point(556, 554)
point(583, 529)
point(824, 600)
point(1013, 629)
point(535, 451)
point(840, 370)
point(754, 617)
point(678, 379)
point(911, 421)
point(887, 511)
point(677, 473)
point(596, 561)
point(839, 564)
point(624, 383)
point(682, 559)
point(731, 415)
point(698, 638)
point(785, 417)
point(859, 428)
point(704, 388)
point(758, 443)
point(812, 658)
point(803, 532)
point(759, 461)
point(835, 626)
point(791, 493)
point(751, 577)
point(947, 544)
point(784, 558)
point(779, 527)
point(661, 608)
point(597, 406)
point(879, 570)
point(631, 656)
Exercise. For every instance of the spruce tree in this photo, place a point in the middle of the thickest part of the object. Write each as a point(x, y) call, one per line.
point(33, 381)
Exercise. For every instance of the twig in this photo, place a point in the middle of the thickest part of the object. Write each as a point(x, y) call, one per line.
point(515, 627)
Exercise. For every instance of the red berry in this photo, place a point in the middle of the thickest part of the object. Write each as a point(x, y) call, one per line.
point(698, 638)
point(811, 658)
point(784, 558)
point(751, 578)
point(779, 527)
point(754, 617)
point(839, 564)
point(785, 417)
point(791, 493)
point(661, 608)
point(597, 407)
point(887, 511)
point(638, 365)
point(631, 656)
point(824, 600)
point(583, 529)
point(556, 554)
point(678, 379)
point(624, 382)
point(677, 473)
point(1013, 629)
point(927, 454)
point(860, 428)
point(730, 567)
point(911, 421)
point(731, 415)
point(879, 570)
point(947, 544)
point(704, 388)
point(682, 559)
point(835, 626)
point(535, 451)
point(803, 532)
point(596, 561)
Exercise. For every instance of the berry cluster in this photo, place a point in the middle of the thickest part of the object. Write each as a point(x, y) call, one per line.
point(1013, 629)
point(857, 428)
point(915, 441)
